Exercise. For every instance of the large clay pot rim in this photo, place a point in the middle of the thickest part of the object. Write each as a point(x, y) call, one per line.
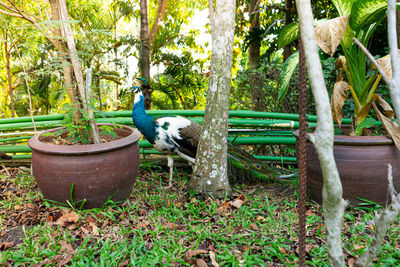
point(80, 149)
point(357, 140)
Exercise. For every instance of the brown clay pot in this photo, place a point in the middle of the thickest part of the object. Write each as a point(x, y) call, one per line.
point(362, 165)
point(97, 172)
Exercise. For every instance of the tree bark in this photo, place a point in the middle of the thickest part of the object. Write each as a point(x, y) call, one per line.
point(66, 66)
point(322, 138)
point(78, 71)
point(398, 25)
point(145, 50)
point(287, 50)
point(9, 78)
point(255, 78)
point(210, 175)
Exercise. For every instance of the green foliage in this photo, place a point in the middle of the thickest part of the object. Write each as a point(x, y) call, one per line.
point(76, 133)
point(367, 12)
point(288, 68)
point(288, 35)
point(367, 123)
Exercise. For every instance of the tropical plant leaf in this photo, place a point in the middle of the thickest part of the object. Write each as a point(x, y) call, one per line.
point(363, 113)
point(288, 68)
point(391, 127)
point(366, 123)
point(387, 109)
point(343, 6)
point(288, 35)
point(337, 101)
point(329, 33)
point(347, 38)
point(367, 12)
point(385, 64)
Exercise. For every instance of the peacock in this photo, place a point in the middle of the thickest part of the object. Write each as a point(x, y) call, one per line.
point(180, 136)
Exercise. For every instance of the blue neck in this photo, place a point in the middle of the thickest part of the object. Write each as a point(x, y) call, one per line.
point(142, 121)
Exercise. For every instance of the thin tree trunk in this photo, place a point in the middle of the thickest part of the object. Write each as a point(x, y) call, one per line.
point(77, 70)
point(255, 78)
point(66, 66)
point(398, 25)
point(145, 50)
point(162, 6)
point(8, 67)
point(322, 138)
point(210, 175)
point(287, 50)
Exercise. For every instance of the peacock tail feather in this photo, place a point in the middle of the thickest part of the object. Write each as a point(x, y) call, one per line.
point(244, 167)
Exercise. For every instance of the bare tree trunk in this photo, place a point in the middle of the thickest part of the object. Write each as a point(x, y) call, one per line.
point(67, 68)
point(287, 50)
point(322, 138)
point(210, 173)
point(145, 48)
point(8, 67)
point(77, 70)
point(398, 25)
point(255, 78)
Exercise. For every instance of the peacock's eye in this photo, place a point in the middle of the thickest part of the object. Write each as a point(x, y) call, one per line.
point(244, 164)
point(257, 166)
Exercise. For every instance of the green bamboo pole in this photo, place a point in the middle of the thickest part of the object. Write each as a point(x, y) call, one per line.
point(128, 121)
point(3, 140)
point(128, 113)
point(155, 152)
point(251, 140)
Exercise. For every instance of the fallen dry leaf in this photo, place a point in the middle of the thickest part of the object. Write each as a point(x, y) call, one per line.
point(201, 263)
point(71, 217)
point(282, 250)
point(142, 225)
point(261, 219)
point(223, 207)
point(66, 247)
point(95, 229)
point(213, 261)
point(237, 203)
point(357, 247)
point(309, 213)
point(350, 262)
point(6, 245)
point(171, 226)
point(254, 227)
point(191, 253)
point(124, 263)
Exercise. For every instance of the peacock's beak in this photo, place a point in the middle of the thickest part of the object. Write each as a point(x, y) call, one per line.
point(134, 89)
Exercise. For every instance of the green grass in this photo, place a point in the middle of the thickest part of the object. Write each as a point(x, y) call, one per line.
point(174, 227)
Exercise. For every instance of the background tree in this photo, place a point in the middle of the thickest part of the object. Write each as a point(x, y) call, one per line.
point(210, 173)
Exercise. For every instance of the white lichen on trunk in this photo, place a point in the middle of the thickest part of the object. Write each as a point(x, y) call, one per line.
point(210, 175)
point(322, 138)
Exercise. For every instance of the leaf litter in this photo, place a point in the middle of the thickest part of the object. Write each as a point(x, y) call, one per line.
point(258, 220)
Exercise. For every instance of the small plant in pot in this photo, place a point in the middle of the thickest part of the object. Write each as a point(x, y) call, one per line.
point(75, 164)
point(361, 158)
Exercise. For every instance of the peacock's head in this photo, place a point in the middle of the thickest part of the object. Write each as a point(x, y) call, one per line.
point(135, 89)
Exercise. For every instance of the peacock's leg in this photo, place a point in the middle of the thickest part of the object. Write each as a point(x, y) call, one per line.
point(171, 169)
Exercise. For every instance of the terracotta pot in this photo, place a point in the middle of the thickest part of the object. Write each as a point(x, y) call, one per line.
point(362, 165)
point(97, 172)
